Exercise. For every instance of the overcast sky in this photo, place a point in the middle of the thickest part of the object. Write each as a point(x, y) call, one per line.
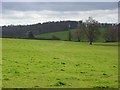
point(39, 12)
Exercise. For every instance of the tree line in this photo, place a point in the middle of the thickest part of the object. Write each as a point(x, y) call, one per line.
point(90, 29)
point(20, 31)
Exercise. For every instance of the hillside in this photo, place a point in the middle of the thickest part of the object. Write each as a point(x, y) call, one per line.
point(63, 35)
point(20, 31)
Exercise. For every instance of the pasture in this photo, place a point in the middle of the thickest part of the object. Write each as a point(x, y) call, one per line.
point(59, 64)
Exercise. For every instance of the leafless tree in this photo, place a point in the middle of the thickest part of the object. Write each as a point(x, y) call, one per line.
point(90, 27)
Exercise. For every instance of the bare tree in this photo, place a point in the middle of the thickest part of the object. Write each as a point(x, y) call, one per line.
point(69, 33)
point(78, 32)
point(90, 28)
point(111, 34)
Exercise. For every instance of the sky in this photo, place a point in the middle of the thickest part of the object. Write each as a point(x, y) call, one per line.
point(23, 13)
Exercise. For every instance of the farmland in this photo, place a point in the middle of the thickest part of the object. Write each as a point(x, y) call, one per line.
point(59, 64)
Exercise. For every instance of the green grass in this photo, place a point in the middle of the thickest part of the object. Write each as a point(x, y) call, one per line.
point(63, 35)
point(0, 63)
point(59, 64)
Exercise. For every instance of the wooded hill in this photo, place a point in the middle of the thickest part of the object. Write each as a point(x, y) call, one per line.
point(21, 31)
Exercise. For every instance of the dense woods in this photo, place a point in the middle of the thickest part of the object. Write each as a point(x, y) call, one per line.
point(21, 30)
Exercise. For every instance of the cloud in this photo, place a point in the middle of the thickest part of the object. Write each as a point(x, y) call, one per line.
point(31, 17)
point(58, 6)
point(39, 12)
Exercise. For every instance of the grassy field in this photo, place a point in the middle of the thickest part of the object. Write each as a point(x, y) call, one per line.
point(63, 35)
point(59, 64)
point(0, 63)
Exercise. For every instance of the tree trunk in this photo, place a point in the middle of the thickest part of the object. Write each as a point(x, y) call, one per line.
point(70, 37)
point(78, 39)
point(90, 43)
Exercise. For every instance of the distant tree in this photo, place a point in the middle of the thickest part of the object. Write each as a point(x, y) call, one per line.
point(30, 34)
point(69, 36)
point(90, 27)
point(78, 35)
point(118, 26)
point(111, 34)
point(79, 31)
point(69, 33)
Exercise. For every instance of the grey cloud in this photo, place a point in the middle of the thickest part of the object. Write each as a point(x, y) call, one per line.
point(58, 6)
point(32, 12)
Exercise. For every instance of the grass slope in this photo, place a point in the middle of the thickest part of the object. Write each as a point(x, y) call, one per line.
point(63, 35)
point(59, 64)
